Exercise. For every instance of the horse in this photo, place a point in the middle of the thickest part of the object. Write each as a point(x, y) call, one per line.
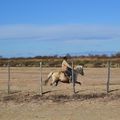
point(59, 76)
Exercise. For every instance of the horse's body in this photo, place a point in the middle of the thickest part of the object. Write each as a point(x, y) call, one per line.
point(60, 76)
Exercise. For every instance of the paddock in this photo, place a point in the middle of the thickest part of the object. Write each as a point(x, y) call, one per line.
point(28, 79)
point(90, 101)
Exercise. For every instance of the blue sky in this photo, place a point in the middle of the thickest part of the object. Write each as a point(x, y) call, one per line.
point(50, 27)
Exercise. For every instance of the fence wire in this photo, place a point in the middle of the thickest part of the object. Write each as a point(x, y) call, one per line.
point(28, 78)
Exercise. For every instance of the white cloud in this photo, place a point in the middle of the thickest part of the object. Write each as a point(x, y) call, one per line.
point(59, 32)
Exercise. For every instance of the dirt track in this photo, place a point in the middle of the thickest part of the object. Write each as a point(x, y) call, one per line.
point(90, 103)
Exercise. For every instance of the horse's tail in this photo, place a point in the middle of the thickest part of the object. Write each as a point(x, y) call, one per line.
point(49, 76)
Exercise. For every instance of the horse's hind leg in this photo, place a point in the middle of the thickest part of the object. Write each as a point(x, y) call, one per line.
point(54, 81)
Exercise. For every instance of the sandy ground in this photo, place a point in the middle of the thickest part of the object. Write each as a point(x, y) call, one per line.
point(89, 103)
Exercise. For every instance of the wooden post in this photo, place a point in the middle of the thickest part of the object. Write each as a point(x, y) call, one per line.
point(41, 89)
point(108, 79)
point(8, 77)
point(73, 80)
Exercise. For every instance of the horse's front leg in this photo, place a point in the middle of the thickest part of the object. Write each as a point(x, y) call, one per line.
point(78, 82)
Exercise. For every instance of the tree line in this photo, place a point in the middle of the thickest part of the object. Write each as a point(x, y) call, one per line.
point(55, 61)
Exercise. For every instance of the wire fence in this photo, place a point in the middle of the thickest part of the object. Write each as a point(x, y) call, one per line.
point(31, 78)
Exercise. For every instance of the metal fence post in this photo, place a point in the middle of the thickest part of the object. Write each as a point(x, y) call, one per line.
point(108, 79)
point(8, 77)
point(41, 88)
point(73, 80)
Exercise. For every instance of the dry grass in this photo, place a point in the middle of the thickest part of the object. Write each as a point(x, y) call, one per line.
point(90, 101)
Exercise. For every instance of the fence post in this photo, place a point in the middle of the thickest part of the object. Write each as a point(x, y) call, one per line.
point(108, 79)
point(41, 89)
point(8, 77)
point(73, 80)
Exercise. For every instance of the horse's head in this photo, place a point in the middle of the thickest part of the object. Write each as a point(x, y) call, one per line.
point(79, 69)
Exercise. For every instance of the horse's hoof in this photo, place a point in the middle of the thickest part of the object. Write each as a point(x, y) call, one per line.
point(56, 84)
point(80, 83)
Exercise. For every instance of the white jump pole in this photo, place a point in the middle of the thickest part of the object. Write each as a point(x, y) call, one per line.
point(8, 77)
point(108, 79)
point(41, 88)
point(73, 80)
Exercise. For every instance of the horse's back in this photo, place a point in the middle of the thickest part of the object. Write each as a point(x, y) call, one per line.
point(59, 75)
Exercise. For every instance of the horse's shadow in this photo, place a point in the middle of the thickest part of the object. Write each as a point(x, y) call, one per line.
point(46, 92)
point(81, 91)
point(110, 91)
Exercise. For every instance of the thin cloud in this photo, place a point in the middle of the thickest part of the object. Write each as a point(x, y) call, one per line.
point(59, 32)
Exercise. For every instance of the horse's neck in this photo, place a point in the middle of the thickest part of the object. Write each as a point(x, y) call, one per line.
point(75, 73)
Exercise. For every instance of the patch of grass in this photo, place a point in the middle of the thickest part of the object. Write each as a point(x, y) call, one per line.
point(28, 97)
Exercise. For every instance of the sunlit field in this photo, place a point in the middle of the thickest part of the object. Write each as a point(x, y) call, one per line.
point(89, 102)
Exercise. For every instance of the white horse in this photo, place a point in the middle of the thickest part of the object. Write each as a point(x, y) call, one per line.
point(60, 76)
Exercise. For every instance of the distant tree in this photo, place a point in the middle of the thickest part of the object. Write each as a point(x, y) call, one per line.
point(104, 56)
point(116, 55)
point(55, 56)
point(68, 55)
